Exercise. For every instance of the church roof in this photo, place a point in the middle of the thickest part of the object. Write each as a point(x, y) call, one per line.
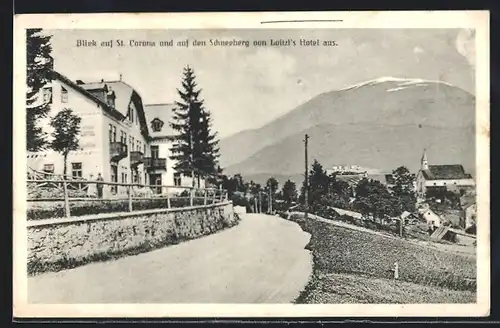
point(424, 157)
point(445, 172)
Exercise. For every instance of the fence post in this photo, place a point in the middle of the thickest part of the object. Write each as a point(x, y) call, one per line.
point(168, 197)
point(221, 195)
point(66, 199)
point(215, 196)
point(191, 197)
point(129, 188)
point(205, 198)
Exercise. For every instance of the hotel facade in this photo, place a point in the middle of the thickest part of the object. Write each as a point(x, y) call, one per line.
point(121, 138)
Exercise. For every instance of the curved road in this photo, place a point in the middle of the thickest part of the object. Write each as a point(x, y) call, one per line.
point(261, 260)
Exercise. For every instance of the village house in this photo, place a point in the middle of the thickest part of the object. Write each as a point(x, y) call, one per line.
point(118, 139)
point(443, 177)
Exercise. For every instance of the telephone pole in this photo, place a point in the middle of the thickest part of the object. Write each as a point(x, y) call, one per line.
point(306, 186)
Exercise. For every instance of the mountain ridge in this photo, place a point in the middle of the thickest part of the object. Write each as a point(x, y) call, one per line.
point(442, 110)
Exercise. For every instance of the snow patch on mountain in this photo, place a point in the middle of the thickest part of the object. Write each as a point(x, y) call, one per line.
point(402, 83)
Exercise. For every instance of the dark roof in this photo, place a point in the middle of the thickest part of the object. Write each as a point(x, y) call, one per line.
point(445, 172)
point(123, 93)
point(162, 112)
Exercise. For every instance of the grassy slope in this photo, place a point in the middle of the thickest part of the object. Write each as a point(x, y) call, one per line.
point(354, 266)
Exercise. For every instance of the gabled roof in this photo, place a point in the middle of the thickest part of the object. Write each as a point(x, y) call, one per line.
point(445, 172)
point(124, 94)
point(162, 112)
point(81, 90)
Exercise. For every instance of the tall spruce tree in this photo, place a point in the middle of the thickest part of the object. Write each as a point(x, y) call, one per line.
point(38, 74)
point(194, 147)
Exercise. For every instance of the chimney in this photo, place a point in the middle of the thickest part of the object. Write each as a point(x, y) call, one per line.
point(102, 80)
point(121, 76)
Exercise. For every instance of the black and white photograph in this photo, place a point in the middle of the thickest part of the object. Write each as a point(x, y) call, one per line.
point(268, 165)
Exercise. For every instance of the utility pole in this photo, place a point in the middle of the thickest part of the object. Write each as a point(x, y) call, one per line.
point(306, 187)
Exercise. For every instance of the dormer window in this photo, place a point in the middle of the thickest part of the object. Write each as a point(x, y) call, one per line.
point(157, 124)
point(110, 97)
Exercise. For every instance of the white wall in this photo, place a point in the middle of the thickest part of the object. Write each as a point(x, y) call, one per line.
point(91, 154)
point(455, 182)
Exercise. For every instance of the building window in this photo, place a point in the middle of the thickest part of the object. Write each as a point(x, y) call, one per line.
point(131, 114)
point(157, 124)
point(76, 170)
point(145, 148)
point(177, 179)
point(113, 133)
point(64, 95)
point(121, 137)
point(114, 178)
point(138, 148)
point(124, 141)
point(132, 143)
point(48, 168)
point(47, 95)
point(110, 133)
point(155, 152)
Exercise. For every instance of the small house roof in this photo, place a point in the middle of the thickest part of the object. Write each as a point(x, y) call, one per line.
point(445, 172)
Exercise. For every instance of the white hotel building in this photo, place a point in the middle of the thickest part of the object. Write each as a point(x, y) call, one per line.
point(121, 138)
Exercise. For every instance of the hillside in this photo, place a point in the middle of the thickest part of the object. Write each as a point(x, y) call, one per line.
point(385, 147)
point(382, 124)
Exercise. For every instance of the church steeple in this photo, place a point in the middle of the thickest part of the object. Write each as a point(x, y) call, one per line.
point(423, 162)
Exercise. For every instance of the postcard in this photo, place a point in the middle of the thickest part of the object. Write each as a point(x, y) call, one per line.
point(298, 164)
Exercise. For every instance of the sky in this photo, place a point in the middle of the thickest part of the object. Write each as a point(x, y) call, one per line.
point(247, 87)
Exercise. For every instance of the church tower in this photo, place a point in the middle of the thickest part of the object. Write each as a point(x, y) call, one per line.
point(423, 162)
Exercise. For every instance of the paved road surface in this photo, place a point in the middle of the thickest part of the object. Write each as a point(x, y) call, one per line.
point(261, 260)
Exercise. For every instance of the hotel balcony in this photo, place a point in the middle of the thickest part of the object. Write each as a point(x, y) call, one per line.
point(136, 158)
point(117, 151)
point(155, 163)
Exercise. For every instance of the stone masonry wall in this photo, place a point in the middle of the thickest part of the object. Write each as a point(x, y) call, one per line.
point(64, 243)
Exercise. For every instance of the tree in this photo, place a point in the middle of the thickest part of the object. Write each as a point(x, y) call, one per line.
point(272, 184)
point(373, 198)
point(65, 135)
point(194, 147)
point(318, 184)
point(38, 74)
point(403, 188)
point(289, 192)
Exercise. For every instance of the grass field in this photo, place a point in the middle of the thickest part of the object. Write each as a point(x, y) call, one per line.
point(358, 264)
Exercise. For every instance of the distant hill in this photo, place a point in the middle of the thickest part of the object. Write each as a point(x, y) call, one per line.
point(382, 124)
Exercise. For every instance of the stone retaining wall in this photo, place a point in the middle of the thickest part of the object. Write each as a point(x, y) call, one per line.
point(64, 243)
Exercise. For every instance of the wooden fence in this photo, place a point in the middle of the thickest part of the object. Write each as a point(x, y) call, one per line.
point(71, 190)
